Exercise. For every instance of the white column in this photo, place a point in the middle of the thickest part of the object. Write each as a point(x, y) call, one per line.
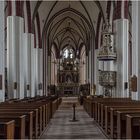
point(89, 66)
point(87, 69)
point(28, 43)
point(136, 46)
point(33, 68)
point(21, 69)
point(121, 27)
point(49, 69)
point(25, 48)
point(56, 73)
point(36, 70)
point(93, 63)
point(96, 81)
point(52, 70)
point(40, 70)
point(2, 52)
point(14, 60)
point(96, 77)
point(80, 72)
point(84, 70)
point(46, 69)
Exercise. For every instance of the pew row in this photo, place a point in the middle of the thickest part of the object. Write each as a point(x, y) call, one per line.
point(37, 114)
point(114, 116)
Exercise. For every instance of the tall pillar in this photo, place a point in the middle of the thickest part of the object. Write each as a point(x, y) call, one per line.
point(87, 69)
point(80, 73)
point(136, 46)
point(28, 43)
point(14, 59)
point(36, 70)
point(89, 76)
point(33, 68)
point(52, 69)
point(95, 80)
point(121, 27)
point(40, 71)
point(56, 72)
point(46, 72)
point(48, 81)
point(2, 53)
point(96, 76)
point(49, 70)
point(93, 63)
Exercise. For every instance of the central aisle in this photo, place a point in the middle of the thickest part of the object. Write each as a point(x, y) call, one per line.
point(60, 126)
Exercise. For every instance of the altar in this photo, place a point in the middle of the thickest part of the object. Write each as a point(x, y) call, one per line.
point(68, 76)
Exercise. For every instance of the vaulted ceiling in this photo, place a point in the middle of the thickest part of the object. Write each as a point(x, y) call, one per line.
point(68, 22)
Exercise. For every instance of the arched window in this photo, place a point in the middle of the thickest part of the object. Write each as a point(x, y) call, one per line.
point(68, 53)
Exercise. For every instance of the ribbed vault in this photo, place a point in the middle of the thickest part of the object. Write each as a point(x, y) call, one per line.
point(68, 21)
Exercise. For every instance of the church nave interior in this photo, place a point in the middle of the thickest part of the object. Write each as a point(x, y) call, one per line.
point(69, 66)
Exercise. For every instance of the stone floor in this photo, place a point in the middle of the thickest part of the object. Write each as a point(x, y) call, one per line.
point(61, 126)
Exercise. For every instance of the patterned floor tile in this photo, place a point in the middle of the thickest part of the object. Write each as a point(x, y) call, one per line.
point(61, 127)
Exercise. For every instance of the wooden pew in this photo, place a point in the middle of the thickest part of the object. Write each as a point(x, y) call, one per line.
point(133, 126)
point(106, 115)
point(100, 111)
point(28, 120)
point(19, 124)
point(23, 109)
point(103, 101)
point(47, 110)
point(106, 118)
point(43, 110)
point(115, 126)
point(111, 115)
point(7, 129)
point(101, 105)
point(121, 122)
point(41, 116)
point(92, 105)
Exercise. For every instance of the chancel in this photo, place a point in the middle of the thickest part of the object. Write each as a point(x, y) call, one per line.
point(68, 74)
point(64, 59)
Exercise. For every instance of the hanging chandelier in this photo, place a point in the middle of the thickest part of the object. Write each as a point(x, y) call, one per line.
point(107, 51)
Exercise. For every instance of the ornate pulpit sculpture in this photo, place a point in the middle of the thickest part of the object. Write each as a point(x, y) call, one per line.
point(107, 52)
